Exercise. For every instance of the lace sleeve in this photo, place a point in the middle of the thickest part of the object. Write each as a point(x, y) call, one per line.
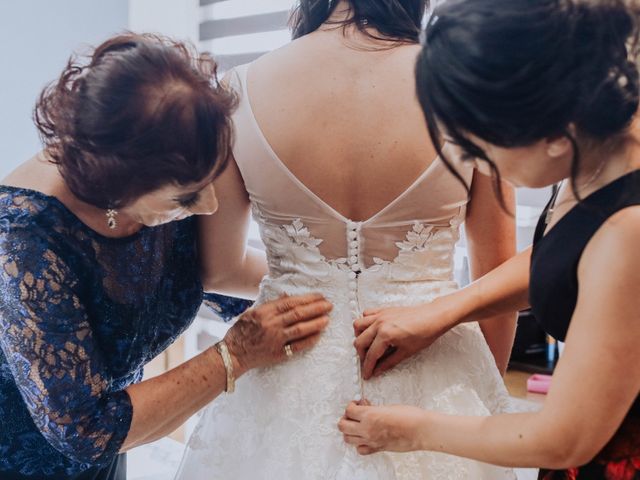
point(48, 342)
point(226, 307)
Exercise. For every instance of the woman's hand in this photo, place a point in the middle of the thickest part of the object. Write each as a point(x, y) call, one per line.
point(395, 428)
point(259, 336)
point(387, 336)
point(390, 335)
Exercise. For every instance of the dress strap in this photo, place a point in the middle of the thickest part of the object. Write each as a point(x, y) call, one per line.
point(545, 217)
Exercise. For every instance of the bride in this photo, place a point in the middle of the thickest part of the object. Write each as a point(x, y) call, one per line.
point(333, 159)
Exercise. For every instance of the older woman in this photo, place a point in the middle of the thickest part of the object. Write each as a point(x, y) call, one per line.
point(99, 264)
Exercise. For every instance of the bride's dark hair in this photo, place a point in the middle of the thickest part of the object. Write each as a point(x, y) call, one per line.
point(513, 72)
point(397, 21)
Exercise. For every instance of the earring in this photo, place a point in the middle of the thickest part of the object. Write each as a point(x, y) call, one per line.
point(112, 223)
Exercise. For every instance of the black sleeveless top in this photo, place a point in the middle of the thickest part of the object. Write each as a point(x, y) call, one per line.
point(553, 292)
point(553, 288)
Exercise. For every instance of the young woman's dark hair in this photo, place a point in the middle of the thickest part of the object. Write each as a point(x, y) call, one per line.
point(513, 72)
point(142, 113)
point(398, 21)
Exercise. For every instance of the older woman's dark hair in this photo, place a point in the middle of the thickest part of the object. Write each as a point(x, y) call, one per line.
point(398, 21)
point(513, 72)
point(142, 113)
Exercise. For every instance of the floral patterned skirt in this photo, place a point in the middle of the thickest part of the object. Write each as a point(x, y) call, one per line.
point(619, 460)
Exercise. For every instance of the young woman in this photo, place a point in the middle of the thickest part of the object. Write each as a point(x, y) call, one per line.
point(333, 157)
point(99, 268)
point(538, 92)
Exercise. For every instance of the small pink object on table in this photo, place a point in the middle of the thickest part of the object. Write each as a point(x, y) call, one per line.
point(539, 383)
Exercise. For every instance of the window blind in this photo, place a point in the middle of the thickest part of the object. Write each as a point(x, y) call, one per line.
point(239, 31)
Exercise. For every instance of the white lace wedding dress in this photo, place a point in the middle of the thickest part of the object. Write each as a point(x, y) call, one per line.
point(281, 423)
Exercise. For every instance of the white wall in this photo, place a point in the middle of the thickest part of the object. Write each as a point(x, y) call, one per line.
point(179, 19)
point(36, 38)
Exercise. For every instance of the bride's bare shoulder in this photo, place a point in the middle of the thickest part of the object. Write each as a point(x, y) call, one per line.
point(294, 55)
point(315, 55)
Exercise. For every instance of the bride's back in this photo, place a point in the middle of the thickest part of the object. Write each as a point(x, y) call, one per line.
point(332, 123)
point(340, 111)
point(332, 154)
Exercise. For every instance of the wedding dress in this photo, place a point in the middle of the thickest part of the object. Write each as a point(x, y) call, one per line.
point(281, 423)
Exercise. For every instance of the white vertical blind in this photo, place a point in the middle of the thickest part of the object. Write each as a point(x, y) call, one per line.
point(175, 19)
point(239, 31)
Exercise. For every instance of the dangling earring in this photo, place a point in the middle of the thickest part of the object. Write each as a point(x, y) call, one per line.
point(112, 223)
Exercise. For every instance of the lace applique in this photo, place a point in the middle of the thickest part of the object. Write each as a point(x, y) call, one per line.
point(417, 238)
point(417, 251)
point(415, 244)
point(292, 247)
point(300, 234)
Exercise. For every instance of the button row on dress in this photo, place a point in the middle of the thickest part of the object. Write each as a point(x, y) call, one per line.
point(353, 229)
point(353, 260)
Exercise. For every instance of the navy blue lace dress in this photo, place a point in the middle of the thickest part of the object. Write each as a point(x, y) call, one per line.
point(80, 315)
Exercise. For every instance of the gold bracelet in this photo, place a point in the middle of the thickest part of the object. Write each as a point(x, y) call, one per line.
point(228, 366)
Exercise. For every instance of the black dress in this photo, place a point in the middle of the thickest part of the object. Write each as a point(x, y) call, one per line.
point(553, 295)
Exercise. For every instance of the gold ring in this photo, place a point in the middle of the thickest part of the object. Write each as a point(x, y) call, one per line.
point(288, 350)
